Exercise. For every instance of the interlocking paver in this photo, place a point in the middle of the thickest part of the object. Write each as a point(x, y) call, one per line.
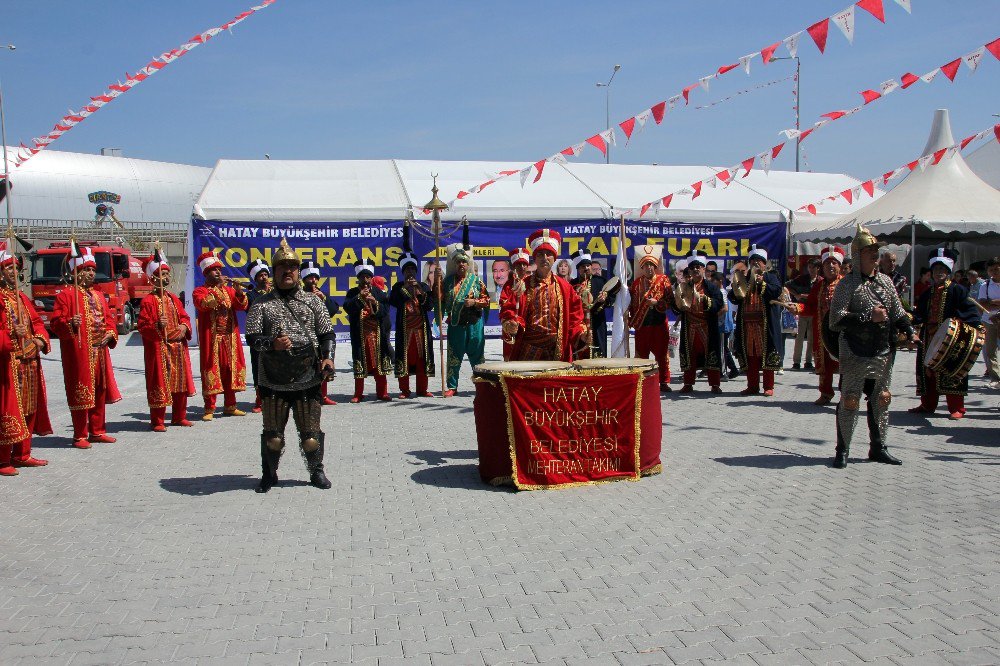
point(747, 547)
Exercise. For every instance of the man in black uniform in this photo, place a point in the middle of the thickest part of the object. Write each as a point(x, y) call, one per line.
point(294, 336)
point(260, 280)
point(309, 272)
point(590, 287)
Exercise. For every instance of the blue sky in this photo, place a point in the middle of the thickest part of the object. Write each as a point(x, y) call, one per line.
point(512, 81)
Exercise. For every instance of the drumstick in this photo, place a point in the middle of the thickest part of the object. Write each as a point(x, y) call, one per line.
point(982, 308)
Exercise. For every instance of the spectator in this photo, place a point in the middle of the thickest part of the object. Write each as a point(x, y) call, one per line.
point(989, 297)
point(923, 283)
point(887, 266)
point(799, 290)
point(726, 327)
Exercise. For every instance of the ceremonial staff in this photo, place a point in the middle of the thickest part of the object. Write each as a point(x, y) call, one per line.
point(623, 279)
point(435, 205)
point(11, 236)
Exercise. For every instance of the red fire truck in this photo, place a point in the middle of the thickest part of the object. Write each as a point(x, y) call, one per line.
point(119, 277)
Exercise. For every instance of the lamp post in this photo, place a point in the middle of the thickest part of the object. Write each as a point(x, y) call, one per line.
point(435, 205)
point(6, 167)
point(607, 109)
point(798, 105)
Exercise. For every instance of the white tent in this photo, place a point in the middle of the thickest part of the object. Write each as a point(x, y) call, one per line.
point(332, 191)
point(946, 202)
point(985, 161)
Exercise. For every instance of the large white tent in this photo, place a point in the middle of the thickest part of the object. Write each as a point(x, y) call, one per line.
point(353, 190)
point(985, 161)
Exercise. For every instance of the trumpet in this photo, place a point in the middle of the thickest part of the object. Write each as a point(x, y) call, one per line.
point(742, 284)
point(684, 295)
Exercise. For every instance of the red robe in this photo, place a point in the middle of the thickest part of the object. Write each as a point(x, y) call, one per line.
point(13, 429)
point(168, 364)
point(219, 337)
point(79, 355)
point(817, 306)
point(31, 382)
point(571, 326)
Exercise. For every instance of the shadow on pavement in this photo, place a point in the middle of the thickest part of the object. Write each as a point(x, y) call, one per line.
point(774, 461)
point(794, 406)
point(455, 476)
point(441, 457)
point(218, 483)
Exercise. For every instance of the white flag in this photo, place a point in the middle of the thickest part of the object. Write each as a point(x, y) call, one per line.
point(929, 76)
point(704, 81)
point(905, 4)
point(619, 329)
point(845, 21)
point(764, 159)
point(972, 59)
point(672, 102)
point(745, 62)
point(924, 161)
point(792, 44)
point(641, 118)
point(609, 136)
point(888, 86)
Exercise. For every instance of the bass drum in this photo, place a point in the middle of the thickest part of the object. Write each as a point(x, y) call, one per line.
point(491, 370)
point(954, 348)
point(648, 366)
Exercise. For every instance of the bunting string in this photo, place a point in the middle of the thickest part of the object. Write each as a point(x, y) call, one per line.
point(923, 162)
point(115, 90)
point(744, 92)
point(763, 159)
point(818, 32)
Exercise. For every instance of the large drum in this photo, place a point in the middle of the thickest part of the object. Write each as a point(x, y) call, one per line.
point(651, 419)
point(954, 348)
point(490, 410)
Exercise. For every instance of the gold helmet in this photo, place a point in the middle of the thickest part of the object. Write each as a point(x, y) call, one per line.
point(862, 239)
point(285, 254)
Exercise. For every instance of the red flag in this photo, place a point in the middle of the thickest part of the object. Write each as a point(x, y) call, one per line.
point(818, 32)
point(938, 154)
point(644, 208)
point(802, 137)
point(658, 111)
point(490, 182)
point(697, 190)
point(886, 176)
point(687, 91)
point(540, 164)
point(833, 115)
point(667, 200)
point(724, 176)
point(568, 152)
point(908, 79)
point(726, 68)
point(869, 187)
point(776, 150)
point(870, 95)
point(748, 164)
point(873, 7)
point(912, 165)
point(847, 195)
point(597, 141)
point(996, 130)
point(966, 141)
point(628, 126)
point(994, 48)
point(951, 69)
point(767, 52)
point(811, 208)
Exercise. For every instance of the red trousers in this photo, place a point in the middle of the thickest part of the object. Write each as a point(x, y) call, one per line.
point(415, 359)
point(87, 422)
point(753, 375)
point(929, 400)
point(826, 383)
point(381, 386)
point(698, 351)
point(654, 339)
point(157, 415)
point(229, 400)
point(22, 449)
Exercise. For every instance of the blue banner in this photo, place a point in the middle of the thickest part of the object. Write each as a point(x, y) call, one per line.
point(335, 246)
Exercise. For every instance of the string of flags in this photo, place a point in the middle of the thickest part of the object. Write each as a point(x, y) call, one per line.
point(763, 159)
point(744, 92)
point(818, 32)
point(115, 90)
point(930, 159)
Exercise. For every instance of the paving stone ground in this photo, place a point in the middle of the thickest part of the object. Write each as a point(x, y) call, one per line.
point(747, 549)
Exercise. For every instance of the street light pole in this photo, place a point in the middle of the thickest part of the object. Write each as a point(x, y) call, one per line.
point(607, 109)
point(6, 167)
point(798, 105)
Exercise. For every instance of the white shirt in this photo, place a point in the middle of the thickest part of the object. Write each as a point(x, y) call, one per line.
point(990, 291)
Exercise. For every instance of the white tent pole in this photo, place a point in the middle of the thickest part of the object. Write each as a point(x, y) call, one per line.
point(913, 259)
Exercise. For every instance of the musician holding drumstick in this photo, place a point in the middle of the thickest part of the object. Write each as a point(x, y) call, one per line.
point(989, 298)
point(945, 300)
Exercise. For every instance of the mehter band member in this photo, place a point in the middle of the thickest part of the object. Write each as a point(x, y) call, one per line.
point(367, 309)
point(699, 302)
point(867, 313)
point(260, 284)
point(165, 328)
point(86, 329)
point(944, 300)
point(647, 310)
point(223, 369)
point(594, 299)
point(546, 321)
point(28, 341)
point(309, 272)
point(414, 342)
point(294, 335)
point(759, 345)
point(465, 298)
point(510, 295)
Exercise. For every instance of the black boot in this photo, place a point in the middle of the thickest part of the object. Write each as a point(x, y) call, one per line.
point(314, 460)
point(269, 465)
point(881, 454)
point(877, 450)
point(840, 455)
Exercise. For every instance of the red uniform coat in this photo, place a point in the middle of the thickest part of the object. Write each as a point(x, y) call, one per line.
point(79, 355)
point(571, 317)
point(31, 387)
point(219, 337)
point(13, 429)
point(817, 306)
point(168, 363)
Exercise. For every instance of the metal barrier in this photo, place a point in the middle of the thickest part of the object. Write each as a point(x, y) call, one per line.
point(137, 235)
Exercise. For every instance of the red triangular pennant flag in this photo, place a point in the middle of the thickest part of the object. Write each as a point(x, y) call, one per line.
point(726, 68)
point(568, 152)
point(811, 208)
point(644, 208)
point(666, 201)
point(912, 165)
point(938, 154)
point(628, 126)
point(697, 190)
point(951, 69)
point(724, 176)
point(767, 52)
point(996, 130)
point(776, 150)
point(833, 115)
point(748, 164)
point(847, 195)
point(658, 110)
point(994, 48)
point(462, 194)
point(540, 164)
point(802, 137)
point(869, 187)
point(908, 79)
point(870, 95)
point(818, 31)
point(687, 91)
point(886, 176)
point(597, 141)
point(873, 7)
point(966, 141)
